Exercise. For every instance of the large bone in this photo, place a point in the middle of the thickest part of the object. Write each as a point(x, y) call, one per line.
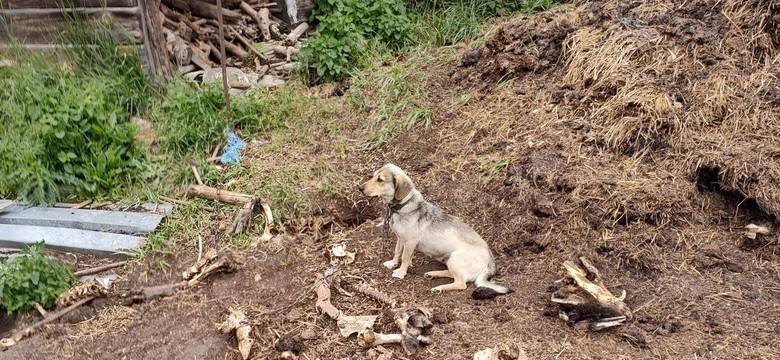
point(594, 288)
point(237, 321)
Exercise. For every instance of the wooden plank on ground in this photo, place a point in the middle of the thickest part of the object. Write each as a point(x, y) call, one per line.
point(71, 240)
point(82, 219)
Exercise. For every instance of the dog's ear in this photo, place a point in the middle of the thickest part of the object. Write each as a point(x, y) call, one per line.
point(403, 185)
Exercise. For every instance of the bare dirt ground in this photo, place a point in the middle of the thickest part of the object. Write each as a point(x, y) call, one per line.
point(641, 135)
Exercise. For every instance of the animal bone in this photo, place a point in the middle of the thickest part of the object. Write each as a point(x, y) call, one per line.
point(753, 230)
point(595, 288)
point(237, 321)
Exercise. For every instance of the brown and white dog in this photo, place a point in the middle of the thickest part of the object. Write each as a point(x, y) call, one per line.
point(420, 225)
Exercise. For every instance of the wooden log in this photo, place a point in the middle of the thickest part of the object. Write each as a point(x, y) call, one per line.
point(200, 59)
point(215, 52)
point(243, 218)
point(178, 4)
point(286, 51)
point(260, 69)
point(21, 334)
point(275, 32)
point(249, 45)
point(183, 70)
point(206, 10)
point(261, 18)
point(99, 269)
point(157, 59)
point(264, 5)
point(228, 4)
point(236, 50)
point(299, 30)
point(175, 16)
point(169, 13)
point(228, 197)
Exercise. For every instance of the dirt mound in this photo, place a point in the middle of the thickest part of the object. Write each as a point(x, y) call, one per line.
point(693, 86)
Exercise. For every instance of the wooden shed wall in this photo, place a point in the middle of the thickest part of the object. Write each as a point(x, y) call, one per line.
point(37, 24)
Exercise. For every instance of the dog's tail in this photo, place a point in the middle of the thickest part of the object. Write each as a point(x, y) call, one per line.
point(487, 289)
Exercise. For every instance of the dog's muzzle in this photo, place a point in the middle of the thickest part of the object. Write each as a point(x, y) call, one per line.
point(361, 188)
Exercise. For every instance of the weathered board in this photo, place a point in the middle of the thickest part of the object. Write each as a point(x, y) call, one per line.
point(82, 219)
point(37, 25)
point(72, 240)
point(46, 28)
point(54, 4)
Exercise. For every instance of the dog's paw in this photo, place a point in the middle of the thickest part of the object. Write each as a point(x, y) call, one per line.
point(390, 264)
point(436, 290)
point(427, 276)
point(398, 274)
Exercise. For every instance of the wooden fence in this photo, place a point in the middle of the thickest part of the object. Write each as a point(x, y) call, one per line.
point(37, 24)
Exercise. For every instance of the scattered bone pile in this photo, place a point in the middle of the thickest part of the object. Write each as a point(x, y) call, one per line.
point(253, 34)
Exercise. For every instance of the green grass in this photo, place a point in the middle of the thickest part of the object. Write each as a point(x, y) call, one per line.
point(181, 225)
point(393, 99)
point(65, 127)
point(192, 119)
point(447, 22)
point(492, 169)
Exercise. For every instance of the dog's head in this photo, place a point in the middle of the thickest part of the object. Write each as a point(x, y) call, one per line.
point(389, 183)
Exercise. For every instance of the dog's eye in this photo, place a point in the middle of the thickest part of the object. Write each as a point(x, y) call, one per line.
point(379, 179)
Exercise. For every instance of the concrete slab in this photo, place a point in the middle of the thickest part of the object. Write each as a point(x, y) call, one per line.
point(83, 219)
point(72, 240)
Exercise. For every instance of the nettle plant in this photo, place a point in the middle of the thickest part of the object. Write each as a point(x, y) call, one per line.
point(344, 29)
point(33, 277)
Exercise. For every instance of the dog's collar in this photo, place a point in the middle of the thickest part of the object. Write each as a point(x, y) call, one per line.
point(395, 205)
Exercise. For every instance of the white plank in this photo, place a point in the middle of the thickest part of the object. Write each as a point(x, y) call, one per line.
point(83, 219)
point(72, 240)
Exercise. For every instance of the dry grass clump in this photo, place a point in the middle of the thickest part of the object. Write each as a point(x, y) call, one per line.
point(755, 28)
point(112, 319)
point(711, 101)
point(628, 193)
point(677, 85)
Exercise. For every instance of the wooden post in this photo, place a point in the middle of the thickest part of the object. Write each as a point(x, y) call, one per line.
point(160, 67)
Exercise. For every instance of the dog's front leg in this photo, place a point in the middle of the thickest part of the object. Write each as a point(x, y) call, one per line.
point(406, 258)
point(392, 264)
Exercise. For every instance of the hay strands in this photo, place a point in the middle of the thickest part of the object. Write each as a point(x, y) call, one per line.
point(583, 289)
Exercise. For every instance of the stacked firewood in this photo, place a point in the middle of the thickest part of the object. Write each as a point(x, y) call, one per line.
point(254, 36)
